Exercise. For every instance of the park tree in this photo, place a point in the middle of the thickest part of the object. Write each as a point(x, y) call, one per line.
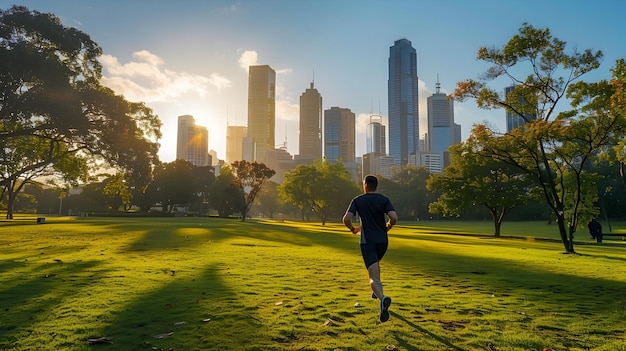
point(555, 144)
point(408, 192)
point(249, 178)
point(204, 178)
point(54, 113)
point(268, 199)
point(225, 196)
point(174, 184)
point(324, 188)
point(117, 189)
point(472, 179)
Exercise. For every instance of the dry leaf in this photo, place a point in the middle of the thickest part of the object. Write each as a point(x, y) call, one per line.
point(164, 335)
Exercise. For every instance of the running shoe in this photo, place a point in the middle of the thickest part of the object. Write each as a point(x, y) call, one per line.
point(385, 302)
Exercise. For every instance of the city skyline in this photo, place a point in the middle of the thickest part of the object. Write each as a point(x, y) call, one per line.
point(193, 59)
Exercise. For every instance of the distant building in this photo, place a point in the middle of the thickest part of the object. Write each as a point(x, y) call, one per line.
point(515, 120)
point(339, 135)
point(402, 90)
point(310, 142)
point(234, 143)
point(280, 160)
point(213, 159)
point(375, 135)
point(192, 143)
point(432, 162)
point(262, 109)
point(442, 131)
point(378, 163)
point(249, 149)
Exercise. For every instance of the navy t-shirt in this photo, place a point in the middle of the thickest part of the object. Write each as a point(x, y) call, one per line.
point(372, 208)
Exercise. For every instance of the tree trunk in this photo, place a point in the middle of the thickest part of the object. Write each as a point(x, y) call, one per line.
point(11, 194)
point(497, 222)
point(567, 243)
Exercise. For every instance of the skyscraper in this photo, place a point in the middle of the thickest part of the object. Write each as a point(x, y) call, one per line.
point(234, 143)
point(339, 135)
point(403, 102)
point(310, 124)
point(515, 120)
point(192, 143)
point(262, 108)
point(375, 135)
point(442, 131)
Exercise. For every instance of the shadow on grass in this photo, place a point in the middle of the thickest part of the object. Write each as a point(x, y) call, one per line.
point(27, 297)
point(202, 313)
point(440, 339)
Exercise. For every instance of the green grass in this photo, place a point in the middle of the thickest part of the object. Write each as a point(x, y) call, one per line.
point(215, 284)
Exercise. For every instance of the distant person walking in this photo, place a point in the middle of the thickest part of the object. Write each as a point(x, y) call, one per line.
point(372, 208)
point(595, 229)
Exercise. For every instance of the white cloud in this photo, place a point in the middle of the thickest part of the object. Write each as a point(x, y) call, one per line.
point(144, 79)
point(247, 59)
point(287, 111)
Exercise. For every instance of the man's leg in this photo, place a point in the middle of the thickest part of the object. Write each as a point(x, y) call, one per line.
point(374, 273)
point(377, 287)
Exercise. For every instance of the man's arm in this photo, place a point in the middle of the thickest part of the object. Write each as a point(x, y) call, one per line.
point(347, 221)
point(393, 219)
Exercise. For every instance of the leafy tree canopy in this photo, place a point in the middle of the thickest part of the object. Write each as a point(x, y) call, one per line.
point(54, 110)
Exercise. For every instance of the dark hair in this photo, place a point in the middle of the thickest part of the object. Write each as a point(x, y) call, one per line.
point(371, 182)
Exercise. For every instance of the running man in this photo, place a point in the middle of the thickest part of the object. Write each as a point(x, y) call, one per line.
point(372, 208)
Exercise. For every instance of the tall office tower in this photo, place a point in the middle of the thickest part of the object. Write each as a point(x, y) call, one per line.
point(403, 102)
point(514, 120)
point(192, 143)
point(442, 131)
point(310, 124)
point(234, 143)
point(375, 135)
point(262, 109)
point(339, 135)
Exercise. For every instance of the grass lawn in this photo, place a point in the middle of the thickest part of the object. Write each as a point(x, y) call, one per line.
point(215, 284)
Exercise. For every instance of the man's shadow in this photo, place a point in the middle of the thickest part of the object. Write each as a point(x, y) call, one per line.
point(434, 336)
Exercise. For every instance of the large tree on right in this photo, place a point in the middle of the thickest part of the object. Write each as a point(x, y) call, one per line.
point(568, 122)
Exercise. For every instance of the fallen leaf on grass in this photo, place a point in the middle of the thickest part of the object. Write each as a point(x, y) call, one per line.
point(278, 303)
point(102, 340)
point(164, 335)
point(206, 320)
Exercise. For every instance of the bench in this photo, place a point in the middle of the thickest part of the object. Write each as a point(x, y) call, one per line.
point(613, 234)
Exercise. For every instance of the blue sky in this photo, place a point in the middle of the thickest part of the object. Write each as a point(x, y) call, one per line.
point(189, 57)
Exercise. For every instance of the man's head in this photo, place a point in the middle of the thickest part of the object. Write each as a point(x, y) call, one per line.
point(370, 183)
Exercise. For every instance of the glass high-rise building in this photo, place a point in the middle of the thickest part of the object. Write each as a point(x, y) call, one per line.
point(375, 135)
point(234, 143)
point(339, 135)
point(515, 120)
point(402, 102)
point(310, 141)
point(442, 131)
point(262, 109)
point(192, 142)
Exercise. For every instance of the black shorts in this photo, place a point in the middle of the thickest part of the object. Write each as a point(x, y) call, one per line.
point(373, 253)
